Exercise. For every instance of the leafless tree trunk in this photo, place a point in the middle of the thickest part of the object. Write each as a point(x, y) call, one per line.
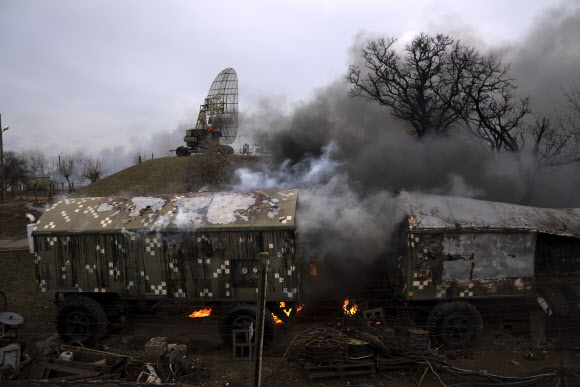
point(138, 156)
point(92, 168)
point(68, 166)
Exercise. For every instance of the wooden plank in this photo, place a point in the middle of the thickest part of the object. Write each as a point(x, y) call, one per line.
point(79, 364)
point(70, 370)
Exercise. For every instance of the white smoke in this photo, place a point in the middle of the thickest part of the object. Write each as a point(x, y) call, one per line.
point(309, 172)
point(333, 219)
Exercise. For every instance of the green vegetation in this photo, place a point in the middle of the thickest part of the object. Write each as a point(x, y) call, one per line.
point(166, 175)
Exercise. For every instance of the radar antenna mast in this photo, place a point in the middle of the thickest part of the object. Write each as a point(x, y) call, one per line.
point(218, 116)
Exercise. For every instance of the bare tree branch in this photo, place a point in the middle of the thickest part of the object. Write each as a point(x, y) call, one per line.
point(92, 168)
point(424, 87)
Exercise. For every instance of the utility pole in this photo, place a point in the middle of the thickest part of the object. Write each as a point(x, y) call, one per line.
point(2, 181)
point(60, 172)
point(260, 319)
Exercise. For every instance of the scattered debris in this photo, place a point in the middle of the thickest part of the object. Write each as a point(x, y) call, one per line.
point(10, 361)
point(419, 339)
point(157, 346)
point(9, 324)
point(76, 363)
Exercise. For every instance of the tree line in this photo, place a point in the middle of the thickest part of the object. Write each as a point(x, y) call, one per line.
point(18, 166)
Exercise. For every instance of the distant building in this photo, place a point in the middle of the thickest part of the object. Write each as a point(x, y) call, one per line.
point(29, 182)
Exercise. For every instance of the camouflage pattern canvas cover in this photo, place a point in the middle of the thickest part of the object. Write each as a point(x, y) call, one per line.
point(203, 245)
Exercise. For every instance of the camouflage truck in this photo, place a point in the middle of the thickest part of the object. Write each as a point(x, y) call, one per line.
point(456, 255)
point(101, 256)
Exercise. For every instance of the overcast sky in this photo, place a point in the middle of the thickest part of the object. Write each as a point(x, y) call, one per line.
point(89, 75)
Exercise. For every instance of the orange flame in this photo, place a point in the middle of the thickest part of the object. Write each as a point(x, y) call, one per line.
point(277, 320)
point(312, 269)
point(287, 311)
point(349, 311)
point(201, 313)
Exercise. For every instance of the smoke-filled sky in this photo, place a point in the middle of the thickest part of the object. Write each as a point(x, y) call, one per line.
point(112, 76)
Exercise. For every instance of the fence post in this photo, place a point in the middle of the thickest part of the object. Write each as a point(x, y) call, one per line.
point(260, 319)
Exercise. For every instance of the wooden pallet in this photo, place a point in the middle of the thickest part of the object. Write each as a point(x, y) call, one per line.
point(348, 368)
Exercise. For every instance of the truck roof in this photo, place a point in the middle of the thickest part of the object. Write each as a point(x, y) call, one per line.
point(435, 212)
point(211, 211)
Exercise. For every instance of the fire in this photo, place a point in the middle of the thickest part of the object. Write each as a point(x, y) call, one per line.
point(277, 320)
point(312, 269)
point(201, 313)
point(349, 311)
point(286, 311)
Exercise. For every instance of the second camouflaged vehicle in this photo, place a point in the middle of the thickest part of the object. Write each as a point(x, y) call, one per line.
point(457, 255)
point(100, 256)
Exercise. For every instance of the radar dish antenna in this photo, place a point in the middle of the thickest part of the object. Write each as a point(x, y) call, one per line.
point(218, 116)
point(219, 113)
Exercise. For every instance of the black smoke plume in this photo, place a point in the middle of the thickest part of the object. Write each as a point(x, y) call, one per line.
point(349, 157)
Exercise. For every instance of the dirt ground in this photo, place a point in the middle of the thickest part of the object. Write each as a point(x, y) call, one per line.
point(499, 351)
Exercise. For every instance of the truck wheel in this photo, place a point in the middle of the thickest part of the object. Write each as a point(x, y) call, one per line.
point(455, 323)
point(81, 319)
point(240, 316)
point(182, 151)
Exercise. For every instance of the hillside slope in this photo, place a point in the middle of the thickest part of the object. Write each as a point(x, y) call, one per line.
point(164, 175)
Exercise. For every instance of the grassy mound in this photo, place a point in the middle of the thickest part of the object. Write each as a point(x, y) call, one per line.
point(166, 175)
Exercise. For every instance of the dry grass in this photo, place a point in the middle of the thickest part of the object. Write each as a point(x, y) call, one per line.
point(153, 177)
point(13, 218)
point(18, 282)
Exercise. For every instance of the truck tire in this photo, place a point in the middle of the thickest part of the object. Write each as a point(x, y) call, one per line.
point(182, 151)
point(81, 319)
point(455, 323)
point(240, 316)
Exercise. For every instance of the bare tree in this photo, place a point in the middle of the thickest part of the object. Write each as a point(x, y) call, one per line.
point(92, 168)
point(206, 169)
point(492, 112)
point(557, 140)
point(14, 168)
point(69, 163)
point(423, 87)
point(138, 156)
point(440, 83)
point(36, 162)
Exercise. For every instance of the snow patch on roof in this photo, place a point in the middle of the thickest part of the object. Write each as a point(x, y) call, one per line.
point(141, 203)
point(105, 207)
point(190, 211)
point(226, 207)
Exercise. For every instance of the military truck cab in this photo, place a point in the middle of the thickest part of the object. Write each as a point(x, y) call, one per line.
point(99, 256)
point(457, 253)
